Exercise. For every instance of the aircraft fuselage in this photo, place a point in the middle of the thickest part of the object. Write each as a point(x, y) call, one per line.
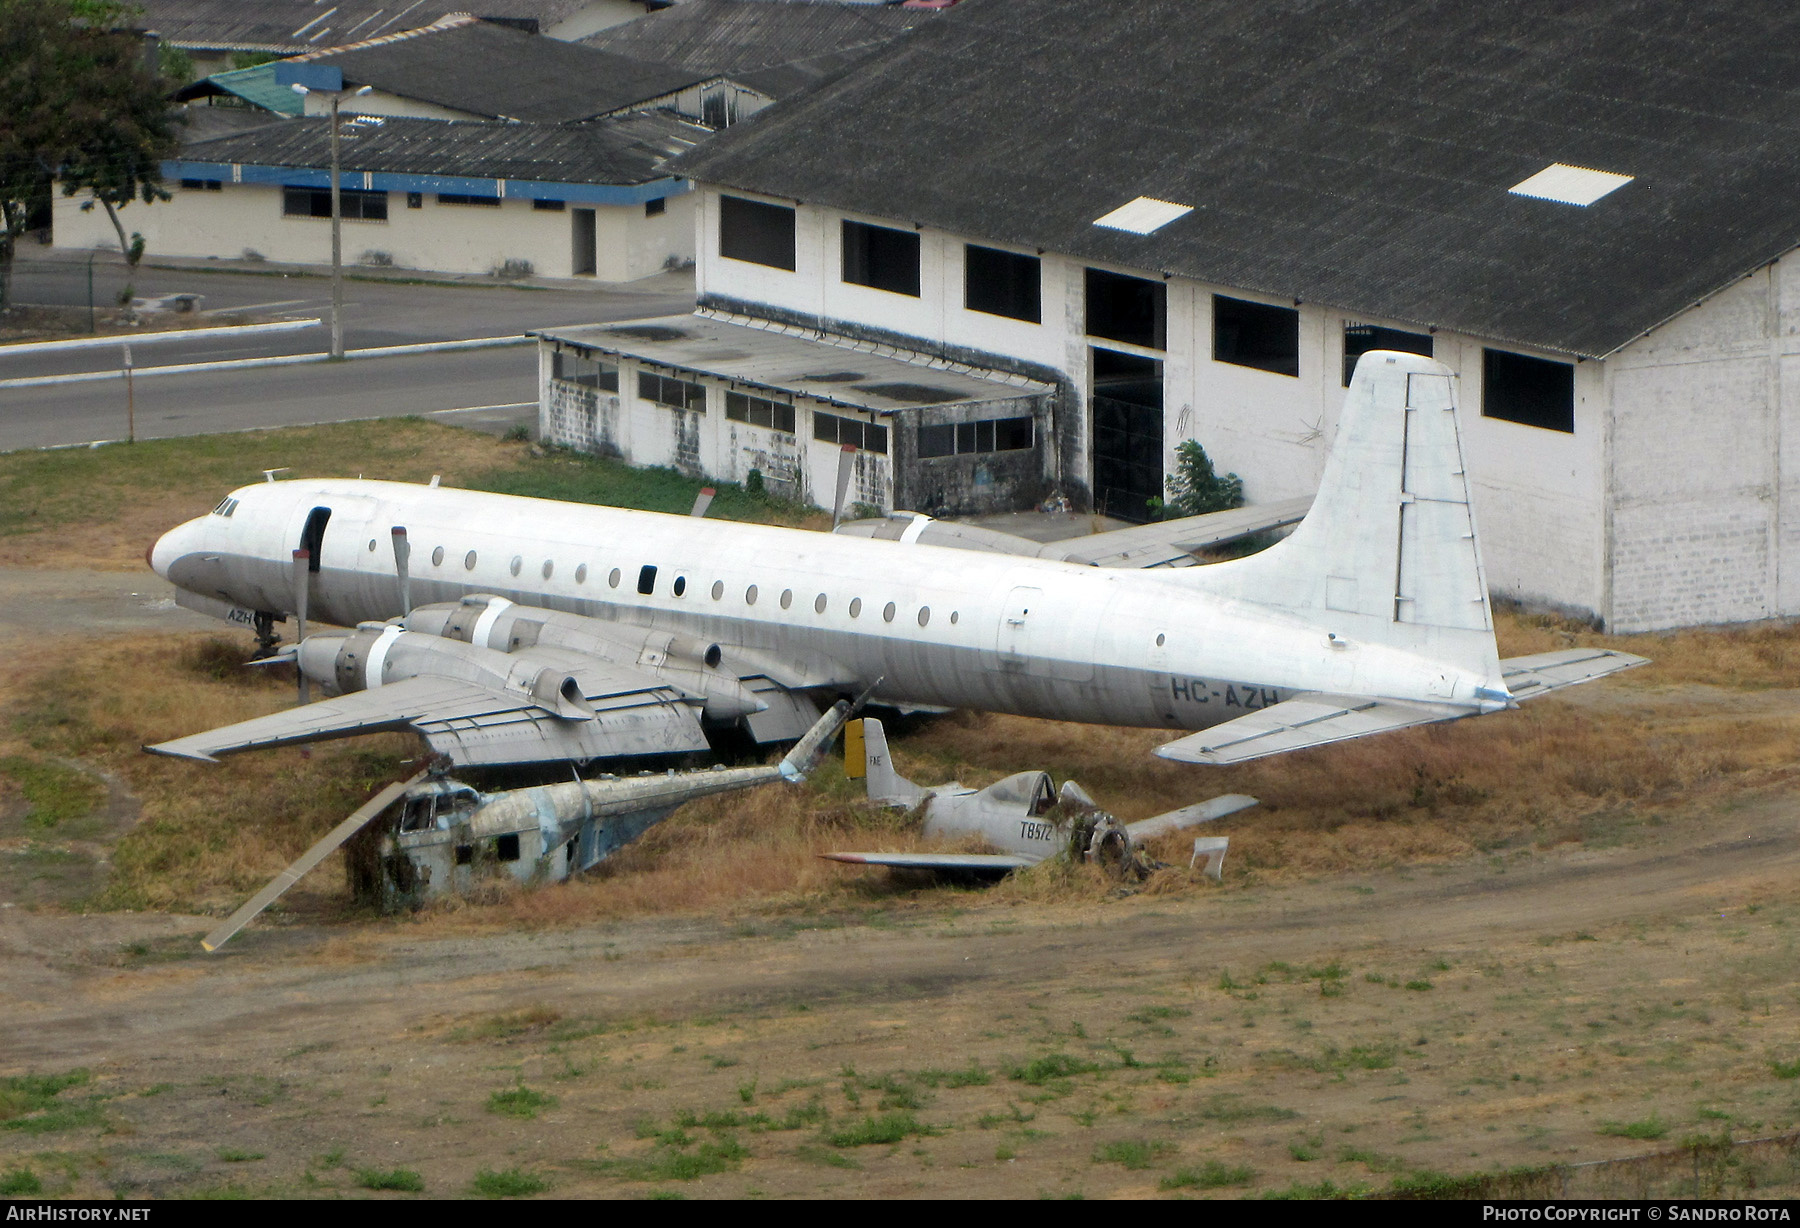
point(939, 626)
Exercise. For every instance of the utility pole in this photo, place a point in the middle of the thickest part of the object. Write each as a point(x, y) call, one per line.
point(337, 243)
point(337, 223)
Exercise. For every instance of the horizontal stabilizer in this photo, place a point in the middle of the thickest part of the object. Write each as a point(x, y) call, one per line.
point(1541, 673)
point(979, 862)
point(1188, 816)
point(1305, 720)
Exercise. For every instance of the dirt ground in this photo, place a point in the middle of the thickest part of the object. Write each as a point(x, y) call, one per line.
point(1547, 1007)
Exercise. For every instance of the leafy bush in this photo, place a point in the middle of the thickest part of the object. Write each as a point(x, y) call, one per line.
point(1195, 488)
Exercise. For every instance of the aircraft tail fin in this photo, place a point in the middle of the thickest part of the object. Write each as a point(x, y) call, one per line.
point(1387, 554)
point(879, 777)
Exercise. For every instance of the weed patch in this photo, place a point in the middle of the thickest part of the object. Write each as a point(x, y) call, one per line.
point(523, 1102)
point(872, 1131)
point(1211, 1175)
point(1132, 1153)
point(507, 1183)
point(403, 1179)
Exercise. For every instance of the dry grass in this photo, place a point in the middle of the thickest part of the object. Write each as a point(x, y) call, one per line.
point(1627, 751)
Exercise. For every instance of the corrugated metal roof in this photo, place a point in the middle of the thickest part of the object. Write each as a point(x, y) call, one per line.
point(871, 378)
point(255, 85)
point(778, 48)
point(1353, 154)
point(291, 26)
point(624, 150)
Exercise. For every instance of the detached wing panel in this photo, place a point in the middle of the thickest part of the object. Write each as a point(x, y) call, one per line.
point(979, 862)
point(1305, 720)
point(1529, 677)
point(1189, 816)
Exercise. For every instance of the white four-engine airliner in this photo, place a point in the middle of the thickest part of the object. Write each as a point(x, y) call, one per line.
point(552, 630)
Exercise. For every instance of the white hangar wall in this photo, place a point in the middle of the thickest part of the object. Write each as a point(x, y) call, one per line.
point(1540, 495)
point(436, 237)
point(1704, 479)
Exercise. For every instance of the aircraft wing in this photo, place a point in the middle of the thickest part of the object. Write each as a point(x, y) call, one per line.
point(1529, 677)
point(991, 862)
point(474, 725)
point(1188, 816)
point(1305, 720)
point(1172, 543)
point(1165, 543)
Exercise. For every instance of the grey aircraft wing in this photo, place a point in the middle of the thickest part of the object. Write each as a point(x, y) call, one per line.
point(981, 862)
point(1164, 543)
point(476, 725)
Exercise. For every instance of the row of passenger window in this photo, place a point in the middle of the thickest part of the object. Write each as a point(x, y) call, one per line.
point(646, 585)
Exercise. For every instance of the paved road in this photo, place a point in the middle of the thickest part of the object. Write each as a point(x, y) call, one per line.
point(376, 314)
point(205, 403)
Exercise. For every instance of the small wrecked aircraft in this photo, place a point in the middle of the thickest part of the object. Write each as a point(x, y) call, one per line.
point(578, 632)
point(1023, 817)
point(445, 836)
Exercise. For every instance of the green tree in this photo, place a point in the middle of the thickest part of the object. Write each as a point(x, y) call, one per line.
point(1195, 489)
point(80, 105)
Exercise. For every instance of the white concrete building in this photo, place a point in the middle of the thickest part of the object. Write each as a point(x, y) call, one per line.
point(1190, 232)
point(586, 200)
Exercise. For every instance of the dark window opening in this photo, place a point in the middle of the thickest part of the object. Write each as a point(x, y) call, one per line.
point(312, 537)
point(1256, 335)
point(657, 207)
point(999, 283)
point(1529, 391)
point(354, 205)
point(647, 579)
point(465, 854)
point(202, 185)
point(858, 434)
point(990, 435)
point(506, 847)
point(759, 411)
point(675, 393)
point(754, 231)
point(1359, 339)
point(415, 200)
point(468, 198)
point(881, 258)
point(1129, 309)
point(579, 368)
point(549, 206)
point(680, 586)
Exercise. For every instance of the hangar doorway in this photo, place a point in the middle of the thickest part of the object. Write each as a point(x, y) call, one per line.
point(1127, 433)
point(583, 258)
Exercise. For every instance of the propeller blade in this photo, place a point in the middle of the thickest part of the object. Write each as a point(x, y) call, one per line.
point(312, 857)
point(302, 589)
point(846, 463)
point(702, 501)
point(402, 555)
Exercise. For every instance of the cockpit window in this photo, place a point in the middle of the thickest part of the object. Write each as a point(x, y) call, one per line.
point(1045, 800)
point(227, 505)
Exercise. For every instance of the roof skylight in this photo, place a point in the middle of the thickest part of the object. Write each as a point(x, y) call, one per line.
point(1570, 185)
point(1143, 216)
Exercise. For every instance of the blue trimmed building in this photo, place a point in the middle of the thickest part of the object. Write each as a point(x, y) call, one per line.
point(555, 200)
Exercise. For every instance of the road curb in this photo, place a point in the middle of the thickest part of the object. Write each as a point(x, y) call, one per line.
point(278, 360)
point(177, 334)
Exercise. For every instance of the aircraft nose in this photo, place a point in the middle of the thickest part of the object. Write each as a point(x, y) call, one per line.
point(165, 550)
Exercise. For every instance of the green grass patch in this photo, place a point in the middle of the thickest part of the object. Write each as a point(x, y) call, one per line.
point(232, 1155)
point(1052, 1066)
point(575, 477)
point(1133, 1153)
point(403, 1179)
point(1650, 1127)
point(972, 1075)
point(523, 1102)
point(1786, 1070)
point(873, 1131)
point(54, 794)
point(507, 1183)
point(16, 1182)
point(1323, 1191)
point(1211, 1175)
point(681, 1160)
point(33, 1104)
